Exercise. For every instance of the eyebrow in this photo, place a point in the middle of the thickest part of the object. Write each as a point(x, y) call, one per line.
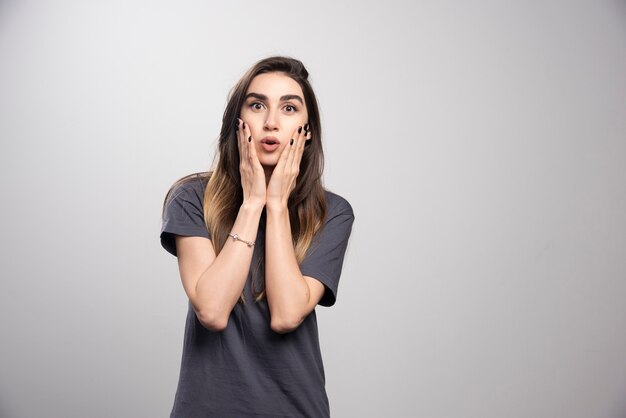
point(282, 98)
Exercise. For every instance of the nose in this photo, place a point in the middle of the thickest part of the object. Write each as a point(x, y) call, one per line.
point(271, 124)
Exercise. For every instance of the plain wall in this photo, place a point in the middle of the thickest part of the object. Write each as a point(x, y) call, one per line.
point(482, 146)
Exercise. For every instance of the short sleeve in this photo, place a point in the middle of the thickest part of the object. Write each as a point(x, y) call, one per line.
point(183, 214)
point(324, 259)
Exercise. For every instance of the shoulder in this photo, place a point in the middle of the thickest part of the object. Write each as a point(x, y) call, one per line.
point(337, 205)
point(190, 188)
point(183, 211)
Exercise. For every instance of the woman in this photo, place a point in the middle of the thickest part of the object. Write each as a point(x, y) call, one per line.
point(259, 244)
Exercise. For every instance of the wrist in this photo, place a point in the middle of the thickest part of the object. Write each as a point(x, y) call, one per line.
point(277, 206)
point(252, 206)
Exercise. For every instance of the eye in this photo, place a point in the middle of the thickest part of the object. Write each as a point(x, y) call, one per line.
point(257, 106)
point(290, 108)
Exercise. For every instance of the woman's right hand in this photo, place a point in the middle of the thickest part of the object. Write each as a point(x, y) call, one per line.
point(251, 170)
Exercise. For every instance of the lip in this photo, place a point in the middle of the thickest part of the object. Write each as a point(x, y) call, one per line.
point(270, 143)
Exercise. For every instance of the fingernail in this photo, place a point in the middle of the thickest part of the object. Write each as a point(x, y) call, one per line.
point(299, 129)
point(249, 139)
point(243, 125)
point(291, 142)
point(306, 127)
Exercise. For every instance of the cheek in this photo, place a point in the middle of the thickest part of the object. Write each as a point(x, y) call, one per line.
point(247, 115)
point(292, 128)
point(283, 145)
point(254, 122)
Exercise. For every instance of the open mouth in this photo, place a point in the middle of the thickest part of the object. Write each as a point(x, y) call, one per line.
point(270, 144)
point(270, 141)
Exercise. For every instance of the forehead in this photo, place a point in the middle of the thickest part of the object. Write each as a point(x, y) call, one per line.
point(274, 85)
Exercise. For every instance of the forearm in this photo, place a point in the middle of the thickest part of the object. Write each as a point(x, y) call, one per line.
point(221, 284)
point(288, 294)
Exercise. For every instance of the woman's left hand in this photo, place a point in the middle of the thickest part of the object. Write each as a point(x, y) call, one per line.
point(285, 174)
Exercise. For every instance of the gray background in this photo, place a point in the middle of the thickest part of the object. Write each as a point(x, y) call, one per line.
point(482, 145)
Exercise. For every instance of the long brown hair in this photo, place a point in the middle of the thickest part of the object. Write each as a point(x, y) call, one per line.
point(223, 195)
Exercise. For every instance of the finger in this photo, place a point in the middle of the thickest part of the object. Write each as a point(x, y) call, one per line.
point(246, 138)
point(298, 151)
point(240, 140)
point(307, 133)
point(252, 155)
point(284, 154)
point(293, 146)
point(248, 142)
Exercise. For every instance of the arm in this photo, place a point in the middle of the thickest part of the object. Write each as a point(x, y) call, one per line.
point(290, 295)
point(214, 283)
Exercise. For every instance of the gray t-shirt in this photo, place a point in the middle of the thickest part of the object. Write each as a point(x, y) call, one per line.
point(248, 370)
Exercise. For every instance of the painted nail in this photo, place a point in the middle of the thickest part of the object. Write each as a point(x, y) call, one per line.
point(306, 127)
point(299, 129)
point(291, 142)
point(249, 139)
point(243, 125)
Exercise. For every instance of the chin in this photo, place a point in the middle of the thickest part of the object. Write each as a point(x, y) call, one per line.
point(268, 162)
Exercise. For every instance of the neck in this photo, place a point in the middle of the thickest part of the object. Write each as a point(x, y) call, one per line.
point(268, 174)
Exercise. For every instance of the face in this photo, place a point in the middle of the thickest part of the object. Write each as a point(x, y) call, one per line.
point(273, 109)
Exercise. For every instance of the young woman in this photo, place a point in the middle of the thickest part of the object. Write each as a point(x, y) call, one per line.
point(260, 244)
